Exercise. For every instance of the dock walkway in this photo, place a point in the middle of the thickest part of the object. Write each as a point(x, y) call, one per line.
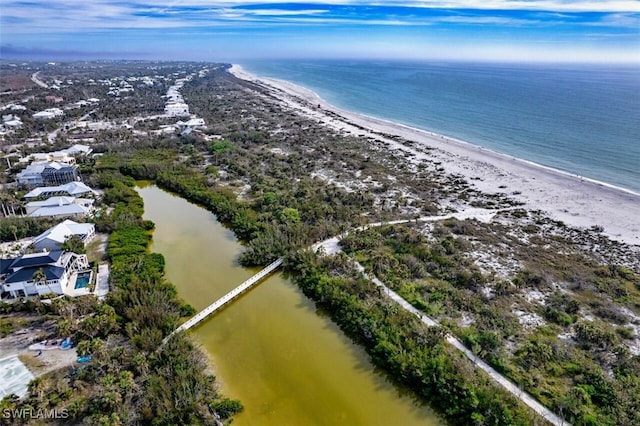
point(218, 304)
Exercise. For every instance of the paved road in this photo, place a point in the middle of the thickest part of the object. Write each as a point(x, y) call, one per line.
point(102, 281)
point(36, 80)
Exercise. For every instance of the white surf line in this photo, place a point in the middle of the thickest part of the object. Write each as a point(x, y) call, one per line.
point(586, 202)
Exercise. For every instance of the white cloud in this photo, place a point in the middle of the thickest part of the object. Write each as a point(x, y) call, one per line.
point(484, 20)
point(77, 15)
point(284, 12)
point(620, 20)
point(546, 5)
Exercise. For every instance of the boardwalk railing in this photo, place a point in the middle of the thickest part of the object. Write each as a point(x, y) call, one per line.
point(227, 298)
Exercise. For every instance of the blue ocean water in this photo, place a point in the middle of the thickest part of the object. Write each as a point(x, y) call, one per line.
point(582, 119)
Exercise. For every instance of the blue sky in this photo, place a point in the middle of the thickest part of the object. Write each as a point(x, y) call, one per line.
point(514, 30)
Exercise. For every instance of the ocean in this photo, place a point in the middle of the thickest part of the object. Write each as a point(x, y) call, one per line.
point(581, 119)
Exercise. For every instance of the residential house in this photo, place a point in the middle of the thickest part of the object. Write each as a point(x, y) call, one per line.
point(59, 173)
point(78, 149)
point(49, 113)
point(56, 156)
point(60, 207)
point(52, 173)
point(32, 206)
point(60, 270)
point(71, 189)
point(11, 121)
point(176, 109)
point(54, 238)
point(66, 156)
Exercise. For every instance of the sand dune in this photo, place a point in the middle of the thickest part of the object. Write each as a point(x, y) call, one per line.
point(574, 200)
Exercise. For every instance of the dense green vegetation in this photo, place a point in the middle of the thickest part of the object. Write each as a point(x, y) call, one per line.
point(414, 354)
point(16, 228)
point(131, 378)
point(438, 277)
point(279, 218)
point(557, 319)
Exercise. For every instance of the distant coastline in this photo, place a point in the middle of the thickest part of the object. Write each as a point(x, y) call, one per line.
point(470, 145)
point(575, 119)
point(573, 199)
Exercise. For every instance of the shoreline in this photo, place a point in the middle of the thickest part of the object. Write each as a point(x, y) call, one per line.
point(575, 200)
point(310, 96)
point(490, 151)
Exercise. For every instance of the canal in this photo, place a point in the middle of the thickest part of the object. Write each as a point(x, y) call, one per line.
point(271, 349)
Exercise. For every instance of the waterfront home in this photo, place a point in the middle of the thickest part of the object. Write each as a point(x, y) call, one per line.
point(71, 189)
point(49, 202)
point(60, 207)
point(47, 173)
point(59, 270)
point(54, 238)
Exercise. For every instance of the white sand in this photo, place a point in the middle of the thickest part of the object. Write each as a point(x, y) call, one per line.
point(576, 201)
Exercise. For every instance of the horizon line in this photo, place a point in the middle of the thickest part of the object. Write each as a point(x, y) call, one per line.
point(81, 57)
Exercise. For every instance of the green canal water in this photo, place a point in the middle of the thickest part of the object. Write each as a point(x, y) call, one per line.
point(271, 348)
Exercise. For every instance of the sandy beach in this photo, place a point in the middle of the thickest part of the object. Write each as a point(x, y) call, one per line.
point(574, 200)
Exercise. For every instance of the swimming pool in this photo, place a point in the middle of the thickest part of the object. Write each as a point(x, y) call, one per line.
point(83, 280)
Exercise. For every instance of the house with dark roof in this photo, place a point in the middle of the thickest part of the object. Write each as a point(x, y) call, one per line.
point(18, 276)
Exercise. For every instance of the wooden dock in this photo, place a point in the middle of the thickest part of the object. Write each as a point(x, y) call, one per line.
point(218, 304)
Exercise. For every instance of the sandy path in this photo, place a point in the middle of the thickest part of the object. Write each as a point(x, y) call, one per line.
point(331, 246)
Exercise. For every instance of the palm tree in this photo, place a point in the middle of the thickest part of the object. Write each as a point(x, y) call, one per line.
point(14, 230)
point(40, 277)
point(36, 388)
point(74, 244)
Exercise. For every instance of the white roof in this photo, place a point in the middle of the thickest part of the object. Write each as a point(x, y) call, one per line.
point(33, 168)
point(66, 210)
point(13, 123)
point(44, 114)
point(71, 188)
point(195, 122)
point(53, 201)
point(38, 167)
point(77, 149)
point(61, 231)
